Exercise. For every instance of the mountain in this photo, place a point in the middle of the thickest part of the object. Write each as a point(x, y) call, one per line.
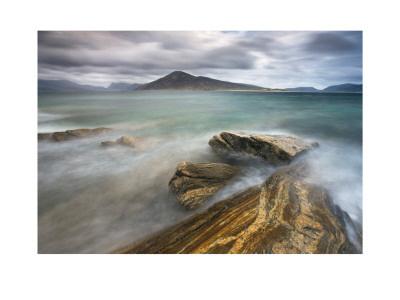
point(344, 88)
point(302, 89)
point(65, 86)
point(179, 80)
point(340, 88)
point(122, 86)
point(69, 86)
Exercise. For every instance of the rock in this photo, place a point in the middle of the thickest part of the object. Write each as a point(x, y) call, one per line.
point(194, 184)
point(72, 134)
point(127, 141)
point(108, 143)
point(286, 214)
point(124, 141)
point(276, 149)
point(44, 136)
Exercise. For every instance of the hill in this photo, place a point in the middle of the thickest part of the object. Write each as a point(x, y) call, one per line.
point(340, 88)
point(65, 86)
point(302, 89)
point(122, 86)
point(344, 88)
point(179, 80)
point(69, 86)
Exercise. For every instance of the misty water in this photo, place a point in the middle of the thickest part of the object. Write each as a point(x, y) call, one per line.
point(93, 199)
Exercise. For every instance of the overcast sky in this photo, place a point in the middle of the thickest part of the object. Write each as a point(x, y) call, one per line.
point(279, 59)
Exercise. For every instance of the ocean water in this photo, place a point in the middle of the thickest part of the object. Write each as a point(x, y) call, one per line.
point(95, 200)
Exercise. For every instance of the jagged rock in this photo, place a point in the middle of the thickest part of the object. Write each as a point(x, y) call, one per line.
point(124, 141)
point(71, 134)
point(276, 149)
point(286, 214)
point(194, 184)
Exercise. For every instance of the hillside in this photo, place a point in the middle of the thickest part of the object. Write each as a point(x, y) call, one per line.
point(302, 89)
point(183, 81)
point(340, 88)
point(344, 88)
point(122, 86)
point(65, 86)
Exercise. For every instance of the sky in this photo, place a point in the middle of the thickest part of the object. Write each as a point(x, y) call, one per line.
point(272, 59)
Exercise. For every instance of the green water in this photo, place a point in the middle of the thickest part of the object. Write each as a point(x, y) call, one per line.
point(94, 200)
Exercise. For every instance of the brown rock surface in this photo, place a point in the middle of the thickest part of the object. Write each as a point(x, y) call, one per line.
point(44, 136)
point(194, 184)
point(276, 149)
point(124, 141)
point(71, 134)
point(286, 214)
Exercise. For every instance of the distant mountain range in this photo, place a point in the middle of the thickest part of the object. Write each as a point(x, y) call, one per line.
point(340, 88)
point(69, 86)
point(179, 80)
point(121, 86)
point(302, 89)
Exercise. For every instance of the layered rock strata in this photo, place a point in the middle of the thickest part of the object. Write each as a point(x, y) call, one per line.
point(275, 149)
point(286, 214)
point(193, 184)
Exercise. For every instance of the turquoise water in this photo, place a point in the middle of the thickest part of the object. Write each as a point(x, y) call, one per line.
point(93, 200)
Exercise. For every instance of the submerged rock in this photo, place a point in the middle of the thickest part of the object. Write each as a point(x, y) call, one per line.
point(286, 214)
point(71, 134)
point(124, 141)
point(276, 149)
point(194, 184)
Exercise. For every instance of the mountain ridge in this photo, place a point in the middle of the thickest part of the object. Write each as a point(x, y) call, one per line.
point(179, 80)
point(45, 85)
point(338, 88)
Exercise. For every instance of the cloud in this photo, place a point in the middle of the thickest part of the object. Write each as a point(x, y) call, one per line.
point(265, 58)
point(330, 42)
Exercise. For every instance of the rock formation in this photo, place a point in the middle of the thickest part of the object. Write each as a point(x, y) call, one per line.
point(276, 149)
point(194, 184)
point(286, 214)
point(71, 134)
point(124, 141)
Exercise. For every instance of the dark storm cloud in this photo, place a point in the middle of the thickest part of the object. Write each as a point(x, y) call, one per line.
point(329, 42)
point(272, 59)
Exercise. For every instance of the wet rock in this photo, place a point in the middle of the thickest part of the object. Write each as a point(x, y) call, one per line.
point(286, 214)
point(108, 144)
point(128, 141)
point(276, 149)
point(124, 141)
point(44, 136)
point(193, 184)
point(71, 134)
point(62, 136)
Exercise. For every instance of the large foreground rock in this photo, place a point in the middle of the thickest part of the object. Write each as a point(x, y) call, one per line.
point(72, 134)
point(286, 214)
point(194, 184)
point(276, 149)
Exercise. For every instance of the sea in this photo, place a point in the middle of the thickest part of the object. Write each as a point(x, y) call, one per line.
point(94, 199)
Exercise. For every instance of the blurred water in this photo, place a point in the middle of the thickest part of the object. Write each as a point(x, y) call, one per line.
point(93, 200)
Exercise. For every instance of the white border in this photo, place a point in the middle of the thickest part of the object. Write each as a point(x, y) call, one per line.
point(26, 274)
